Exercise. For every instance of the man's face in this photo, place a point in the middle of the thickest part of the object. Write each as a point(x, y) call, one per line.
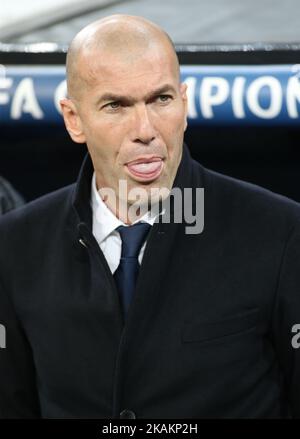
point(133, 116)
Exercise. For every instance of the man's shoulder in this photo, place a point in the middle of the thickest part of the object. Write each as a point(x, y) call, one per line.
point(9, 197)
point(245, 199)
point(46, 208)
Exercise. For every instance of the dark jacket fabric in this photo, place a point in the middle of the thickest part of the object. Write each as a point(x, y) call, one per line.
point(209, 329)
point(9, 197)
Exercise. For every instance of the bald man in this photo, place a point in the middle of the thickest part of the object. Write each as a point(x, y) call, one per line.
point(116, 302)
point(124, 87)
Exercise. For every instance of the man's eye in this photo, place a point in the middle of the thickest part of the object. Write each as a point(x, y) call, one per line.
point(164, 98)
point(113, 105)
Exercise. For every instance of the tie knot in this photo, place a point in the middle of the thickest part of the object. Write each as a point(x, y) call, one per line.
point(133, 238)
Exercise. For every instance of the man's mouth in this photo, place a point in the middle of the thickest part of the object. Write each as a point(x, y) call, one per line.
point(145, 169)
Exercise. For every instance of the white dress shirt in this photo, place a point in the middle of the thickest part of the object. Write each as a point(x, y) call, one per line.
point(104, 228)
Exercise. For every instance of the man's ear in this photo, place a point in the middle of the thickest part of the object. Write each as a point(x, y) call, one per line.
point(72, 120)
point(183, 88)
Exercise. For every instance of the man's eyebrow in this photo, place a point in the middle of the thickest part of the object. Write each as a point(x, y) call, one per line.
point(161, 90)
point(112, 97)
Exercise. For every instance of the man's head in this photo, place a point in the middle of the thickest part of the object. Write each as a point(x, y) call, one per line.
point(126, 102)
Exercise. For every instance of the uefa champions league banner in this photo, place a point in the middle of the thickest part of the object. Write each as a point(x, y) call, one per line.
point(217, 95)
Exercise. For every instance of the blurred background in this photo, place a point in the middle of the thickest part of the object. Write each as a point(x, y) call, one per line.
point(241, 61)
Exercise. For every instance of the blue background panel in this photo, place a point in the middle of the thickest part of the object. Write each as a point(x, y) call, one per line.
point(218, 95)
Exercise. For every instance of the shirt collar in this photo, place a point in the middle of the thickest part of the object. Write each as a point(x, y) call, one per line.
point(104, 221)
point(80, 197)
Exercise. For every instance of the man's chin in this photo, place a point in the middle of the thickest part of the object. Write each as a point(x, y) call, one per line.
point(147, 195)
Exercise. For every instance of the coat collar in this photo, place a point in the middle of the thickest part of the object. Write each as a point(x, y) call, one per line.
point(81, 196)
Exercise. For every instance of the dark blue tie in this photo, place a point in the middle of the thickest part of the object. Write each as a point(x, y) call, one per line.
point(125, 276)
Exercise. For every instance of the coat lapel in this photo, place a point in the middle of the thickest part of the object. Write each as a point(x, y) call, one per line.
point(160, 246)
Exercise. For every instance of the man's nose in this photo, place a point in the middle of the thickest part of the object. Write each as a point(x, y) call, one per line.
point(143, 129)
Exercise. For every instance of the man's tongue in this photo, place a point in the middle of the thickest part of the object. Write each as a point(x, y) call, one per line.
point(145, 168)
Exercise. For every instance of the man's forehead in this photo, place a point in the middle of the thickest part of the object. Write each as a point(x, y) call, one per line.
point(116, 46)
point(110, 69)
point(107, 74)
